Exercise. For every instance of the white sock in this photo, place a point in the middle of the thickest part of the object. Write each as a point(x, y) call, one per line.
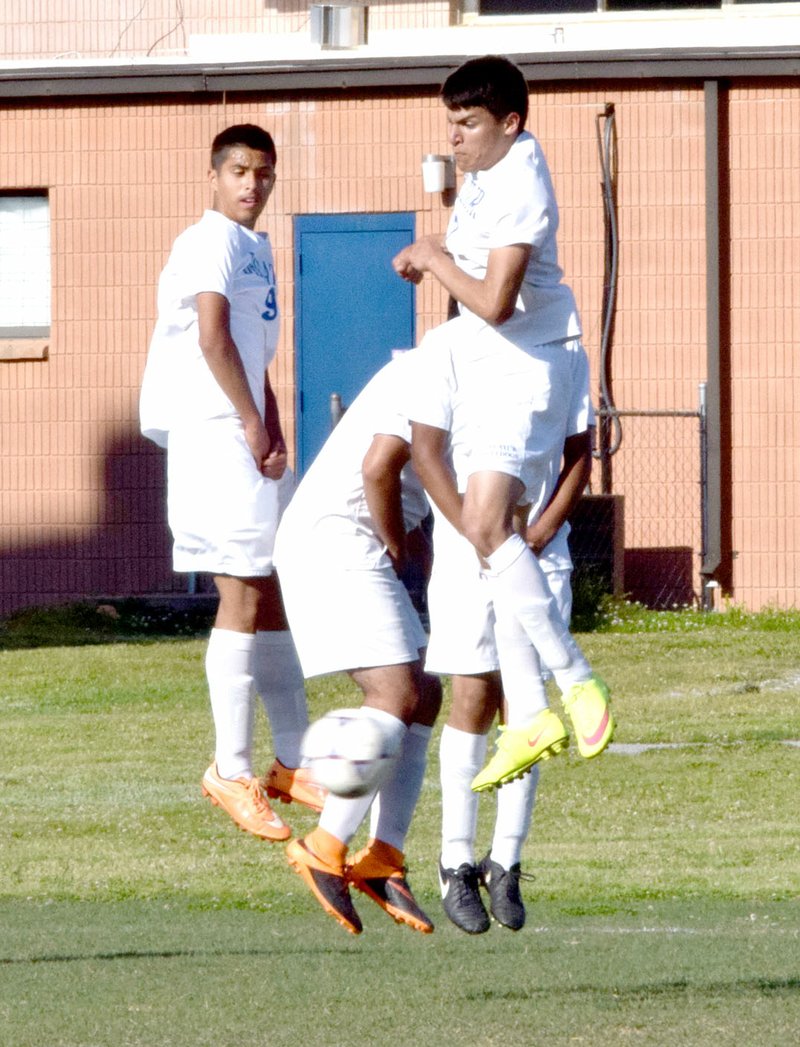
point(341, 817)
point(461, 756)
point(230, 686)
point(521, 670)
point(396, 801)
point(279, 681)
point(518, 586)
point(513, 819)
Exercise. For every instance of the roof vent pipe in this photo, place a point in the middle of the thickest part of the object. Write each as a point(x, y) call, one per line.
point(339, 25)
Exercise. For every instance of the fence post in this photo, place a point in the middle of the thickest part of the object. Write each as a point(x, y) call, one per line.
point(706, 595)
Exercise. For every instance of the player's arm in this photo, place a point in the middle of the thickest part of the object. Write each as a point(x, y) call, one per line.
point(492, 299)
point(380, 472)
point(225, 363)
point(276, 461)
point(432, 465)
point(576, 469)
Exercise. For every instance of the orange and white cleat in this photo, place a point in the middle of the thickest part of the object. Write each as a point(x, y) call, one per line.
point(244, 800)
point(294, 785)
point(378, 871)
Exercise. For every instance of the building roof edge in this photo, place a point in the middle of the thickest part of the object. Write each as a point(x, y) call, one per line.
point(57, 79)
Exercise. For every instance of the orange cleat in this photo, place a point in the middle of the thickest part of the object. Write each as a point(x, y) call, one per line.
point(294, 785)
point(378, 871)
point(327, 882)
point(244, 800)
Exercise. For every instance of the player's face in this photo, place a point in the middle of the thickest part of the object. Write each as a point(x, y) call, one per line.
point(242, 184)
point(480, 140)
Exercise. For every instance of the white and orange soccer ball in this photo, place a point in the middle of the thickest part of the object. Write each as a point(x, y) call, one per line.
point(348, 752)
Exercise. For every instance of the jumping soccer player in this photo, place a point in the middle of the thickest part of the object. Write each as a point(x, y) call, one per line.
point(497, 387)
point(206, 397)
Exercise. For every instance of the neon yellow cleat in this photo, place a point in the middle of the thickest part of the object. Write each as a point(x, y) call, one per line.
point(519, 748)
point(587, 706)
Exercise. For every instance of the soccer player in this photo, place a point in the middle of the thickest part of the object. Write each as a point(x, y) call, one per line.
point(341, 548)
point(206, 397)
point(463, 643)
point(498, 385)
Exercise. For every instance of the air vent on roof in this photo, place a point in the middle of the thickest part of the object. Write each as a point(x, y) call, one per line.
point(339, 25)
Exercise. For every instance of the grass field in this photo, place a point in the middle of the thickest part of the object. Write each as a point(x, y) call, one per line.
point(665, 907)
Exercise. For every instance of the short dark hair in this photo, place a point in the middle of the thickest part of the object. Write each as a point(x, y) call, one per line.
point(251, 135)
point(492, 82)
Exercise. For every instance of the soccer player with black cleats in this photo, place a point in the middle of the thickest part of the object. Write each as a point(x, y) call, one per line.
point(505, 899)
point(461, 898)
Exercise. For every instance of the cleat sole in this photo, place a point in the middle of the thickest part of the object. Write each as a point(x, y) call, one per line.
point(407, 920)
point(277, 794)
point(552, 750)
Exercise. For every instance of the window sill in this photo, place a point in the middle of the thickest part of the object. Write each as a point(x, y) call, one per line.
point(24, 348)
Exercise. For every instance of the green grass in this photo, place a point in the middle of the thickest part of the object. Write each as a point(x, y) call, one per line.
point(664, 910)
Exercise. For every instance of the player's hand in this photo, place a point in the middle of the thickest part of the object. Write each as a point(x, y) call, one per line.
point(404, 269)
point(273, 466)
point(417, 258)
point(537, 539)
point(399, 560)
point(258, 441)
point(410, 274)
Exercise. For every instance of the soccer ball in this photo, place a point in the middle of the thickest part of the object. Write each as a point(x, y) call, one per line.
point(348, 752)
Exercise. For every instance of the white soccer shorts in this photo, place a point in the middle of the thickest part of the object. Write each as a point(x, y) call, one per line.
point(222, 512)
point(347, 619)
point(461, 614)
point(508, 404)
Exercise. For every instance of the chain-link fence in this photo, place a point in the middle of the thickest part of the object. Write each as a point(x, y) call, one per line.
point(644, 536)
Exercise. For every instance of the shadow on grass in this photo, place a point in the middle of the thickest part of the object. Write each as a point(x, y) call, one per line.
point(163, 954)
point(776, 986)
point(650, 990)
point(131, 620)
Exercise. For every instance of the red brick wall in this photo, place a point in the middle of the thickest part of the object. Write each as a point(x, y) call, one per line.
point(82, 494)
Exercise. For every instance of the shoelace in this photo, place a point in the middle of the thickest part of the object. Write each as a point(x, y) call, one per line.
point(466, 884)
point(515, 875)
point(258, 797)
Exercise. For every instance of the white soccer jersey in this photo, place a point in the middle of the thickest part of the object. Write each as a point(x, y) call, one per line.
point(329, 508)
point(222, 256)
point(346, 606)
point(513, 203)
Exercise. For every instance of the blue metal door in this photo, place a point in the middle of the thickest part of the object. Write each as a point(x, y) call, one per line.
point(351, 310)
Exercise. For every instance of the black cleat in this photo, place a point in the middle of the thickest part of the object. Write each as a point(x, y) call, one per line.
point(505, 900)
point(461, 898)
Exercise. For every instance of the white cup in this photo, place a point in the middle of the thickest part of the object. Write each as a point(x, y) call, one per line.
point(433, 173)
